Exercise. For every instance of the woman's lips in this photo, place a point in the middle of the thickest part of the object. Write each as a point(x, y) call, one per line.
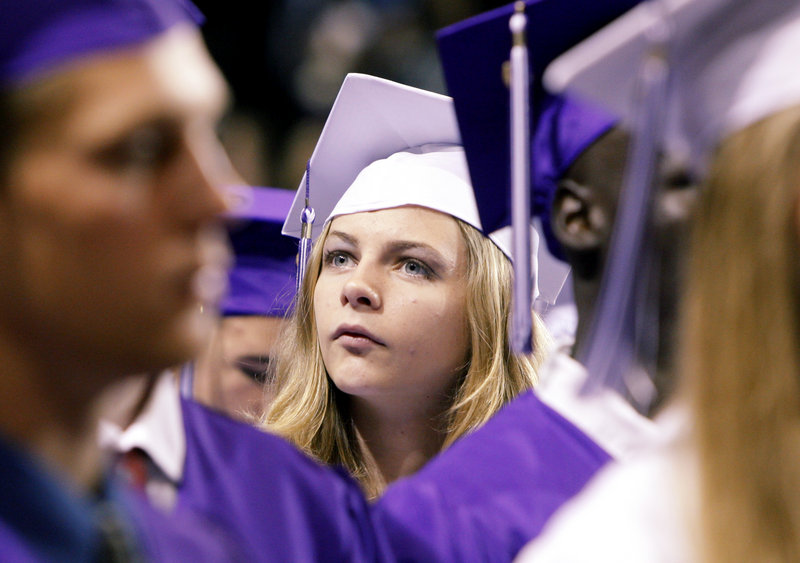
point(356, 336)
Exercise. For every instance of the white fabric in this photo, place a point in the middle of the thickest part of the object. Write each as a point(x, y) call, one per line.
point(552, 273)
point(502, 238)
point(158, 431)
point(643, 510)
point(733, 63)
point(605, 416)
point(771, 81)
point(433, 176)
point(371, 119)
point(561, 320)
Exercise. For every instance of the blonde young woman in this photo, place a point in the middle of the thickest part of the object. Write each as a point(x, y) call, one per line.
point(400, 342)
point(725, 487)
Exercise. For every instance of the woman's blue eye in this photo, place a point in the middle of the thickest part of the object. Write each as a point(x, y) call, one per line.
point(337, 258)
point(416, 268)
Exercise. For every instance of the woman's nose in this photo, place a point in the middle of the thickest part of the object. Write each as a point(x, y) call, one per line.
point(362, 289)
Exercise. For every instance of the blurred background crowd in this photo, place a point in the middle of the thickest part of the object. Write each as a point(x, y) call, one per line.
point(286, 59)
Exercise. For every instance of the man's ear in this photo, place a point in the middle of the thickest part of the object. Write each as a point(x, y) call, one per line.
point(576, 219)
point(581, 226)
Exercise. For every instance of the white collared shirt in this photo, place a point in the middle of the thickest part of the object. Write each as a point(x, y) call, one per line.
point(605, 416)
point(159, 432)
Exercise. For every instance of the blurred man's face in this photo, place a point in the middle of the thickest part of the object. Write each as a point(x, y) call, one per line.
point(585, 211)
point(109, 240)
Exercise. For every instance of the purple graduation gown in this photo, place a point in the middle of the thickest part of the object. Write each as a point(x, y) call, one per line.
point(43, 520)
point(12, 547)
point(283, 505)
point(481, 500)
point(492, 491)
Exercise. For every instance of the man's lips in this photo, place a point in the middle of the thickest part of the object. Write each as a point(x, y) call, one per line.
point(356, 332)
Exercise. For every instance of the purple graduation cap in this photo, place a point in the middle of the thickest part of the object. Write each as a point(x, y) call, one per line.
point(38, 35)
point(262, 279)
point(474, 54)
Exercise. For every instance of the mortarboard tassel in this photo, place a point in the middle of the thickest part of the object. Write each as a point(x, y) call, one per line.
point(521, 327)
point(186, 380)
point(307, 221)
point(620, 351)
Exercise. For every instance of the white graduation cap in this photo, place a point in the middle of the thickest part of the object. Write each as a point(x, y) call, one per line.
point(732, 63)
point(396, 129)
point(388, 145)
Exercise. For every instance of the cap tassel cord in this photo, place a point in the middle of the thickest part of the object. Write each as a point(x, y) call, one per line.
point(521, 320)
point(610, 355)
point(307, 221)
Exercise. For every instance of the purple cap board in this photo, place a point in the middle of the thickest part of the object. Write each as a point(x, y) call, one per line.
point(262, 279)
point(473, 54)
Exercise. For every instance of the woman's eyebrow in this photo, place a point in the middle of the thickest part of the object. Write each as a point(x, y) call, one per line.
point(432, 253)
point(344, 236)
point(397, 246)
point(408, 245)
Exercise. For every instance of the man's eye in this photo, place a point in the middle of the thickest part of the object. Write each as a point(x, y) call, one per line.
point(143, 150)
point(676, 176)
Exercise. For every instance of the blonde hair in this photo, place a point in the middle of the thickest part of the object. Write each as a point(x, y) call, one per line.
point(309, 410)
point(741, 358)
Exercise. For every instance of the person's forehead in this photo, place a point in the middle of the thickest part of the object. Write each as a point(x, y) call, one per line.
point(172, 75)
point(409, 222)
point(401, 227)
point(251, 333)
point(603, 160)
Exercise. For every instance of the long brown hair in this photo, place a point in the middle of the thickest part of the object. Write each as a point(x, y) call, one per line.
point(741, 359)
point(310, 411)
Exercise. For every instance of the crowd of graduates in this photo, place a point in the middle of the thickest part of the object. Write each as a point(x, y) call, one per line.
point(550, 316)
